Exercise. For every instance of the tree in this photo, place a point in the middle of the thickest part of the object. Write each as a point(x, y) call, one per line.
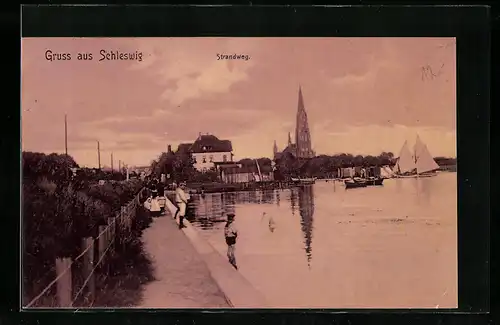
point(54, 167)
point(358, 160)
point(287, 166)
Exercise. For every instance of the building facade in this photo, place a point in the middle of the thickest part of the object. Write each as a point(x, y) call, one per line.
point(208, 150)
point(302, 148)
point(240, 174)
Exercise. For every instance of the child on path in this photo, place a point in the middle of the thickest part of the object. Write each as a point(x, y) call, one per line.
point(230, 234)
point(153, 205)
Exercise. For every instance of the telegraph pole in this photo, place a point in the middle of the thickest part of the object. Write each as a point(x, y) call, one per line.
point(65, 134)
point(98, 155)
point(66, 146)
point(112, 162)
point(120, 166)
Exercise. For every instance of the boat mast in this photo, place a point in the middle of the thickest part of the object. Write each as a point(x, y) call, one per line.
point(416, 158)
point(258, 169)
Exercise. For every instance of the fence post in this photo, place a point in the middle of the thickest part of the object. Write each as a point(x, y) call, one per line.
point(101, 242)
point(111, 227)
point(118, 232)
point(123, 216)
point(88, 264)
point(64, 292)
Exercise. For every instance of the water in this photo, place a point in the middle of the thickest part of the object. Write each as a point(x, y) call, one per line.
point(393, 246)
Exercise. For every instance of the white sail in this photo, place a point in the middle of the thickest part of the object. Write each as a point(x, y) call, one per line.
point(423, 158)
point(386, 172)
point(406, 162)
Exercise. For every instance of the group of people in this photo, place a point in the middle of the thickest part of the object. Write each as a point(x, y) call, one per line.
point(181, 200)
point(153, 201)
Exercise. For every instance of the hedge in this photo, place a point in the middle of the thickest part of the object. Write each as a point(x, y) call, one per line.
point(58, 212)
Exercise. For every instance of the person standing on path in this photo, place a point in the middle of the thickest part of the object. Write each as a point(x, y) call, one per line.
point(181, 200)
point(231, 233)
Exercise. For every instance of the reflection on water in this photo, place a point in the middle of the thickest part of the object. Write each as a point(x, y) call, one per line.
point(380, 246)
point(306, 208)
point(208, 210)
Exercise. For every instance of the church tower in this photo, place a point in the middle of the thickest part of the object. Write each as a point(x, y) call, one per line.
point(275, 149)
point(302, 134)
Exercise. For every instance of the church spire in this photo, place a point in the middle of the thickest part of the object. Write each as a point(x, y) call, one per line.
point(275, 149)
point(302, 133)
point(301, 100)
point(289, 139)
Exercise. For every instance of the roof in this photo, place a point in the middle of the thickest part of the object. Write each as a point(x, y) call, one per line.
point(247, 170)
point(207, 143)
point(210, 143)
point(184, 147)
point(291, 148)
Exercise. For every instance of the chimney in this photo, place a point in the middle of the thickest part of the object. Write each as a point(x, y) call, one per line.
point(169, 148)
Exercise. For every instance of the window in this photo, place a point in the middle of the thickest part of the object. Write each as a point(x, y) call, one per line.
point(211, 158)
point(224, 158)
point(204, 159)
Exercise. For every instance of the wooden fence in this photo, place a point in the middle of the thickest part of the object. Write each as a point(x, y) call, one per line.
point(75, 281)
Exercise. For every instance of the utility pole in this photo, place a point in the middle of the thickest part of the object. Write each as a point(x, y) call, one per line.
point(112, 162)
point(65, 134)
point(66, 146)
point(98, 155)
point(120, 166)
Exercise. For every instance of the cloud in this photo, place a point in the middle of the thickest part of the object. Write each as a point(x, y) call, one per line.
point(180, 89)
point(189, 75)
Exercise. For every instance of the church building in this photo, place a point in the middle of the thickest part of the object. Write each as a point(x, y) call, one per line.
point(302, 147)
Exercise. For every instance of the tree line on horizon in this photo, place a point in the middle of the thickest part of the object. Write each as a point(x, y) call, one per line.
point(180, 165)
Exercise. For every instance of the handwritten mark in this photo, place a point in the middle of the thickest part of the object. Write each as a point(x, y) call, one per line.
point(447, 45)
point(428, 73)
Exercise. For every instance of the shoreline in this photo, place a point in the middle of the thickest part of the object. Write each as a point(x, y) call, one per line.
point(219, 187)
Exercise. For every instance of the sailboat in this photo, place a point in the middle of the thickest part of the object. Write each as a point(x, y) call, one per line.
point(425, 165)
point(418, 164)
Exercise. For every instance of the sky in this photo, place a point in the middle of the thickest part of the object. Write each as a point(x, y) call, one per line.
point(362, 95)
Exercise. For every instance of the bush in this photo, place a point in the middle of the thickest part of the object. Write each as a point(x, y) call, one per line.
point(59, 211)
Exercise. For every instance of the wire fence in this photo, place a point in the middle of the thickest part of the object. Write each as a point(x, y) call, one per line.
point(77, 279)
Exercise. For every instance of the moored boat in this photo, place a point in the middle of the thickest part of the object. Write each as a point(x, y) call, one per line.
point(310, 180)
point(375, 181)
point(355, 183)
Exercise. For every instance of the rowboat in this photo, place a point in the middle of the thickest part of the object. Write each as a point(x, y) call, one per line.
point(375, 181)
point(355, 183)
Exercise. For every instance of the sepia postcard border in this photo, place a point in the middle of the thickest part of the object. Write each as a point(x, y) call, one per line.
point(470, 26)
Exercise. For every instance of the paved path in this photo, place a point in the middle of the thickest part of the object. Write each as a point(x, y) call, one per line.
point(182, 277)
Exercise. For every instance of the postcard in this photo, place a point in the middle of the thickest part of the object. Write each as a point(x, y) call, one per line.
point(217, 172)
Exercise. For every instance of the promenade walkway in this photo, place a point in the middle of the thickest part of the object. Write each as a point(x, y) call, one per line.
point(190, 273)
point(182, 277)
